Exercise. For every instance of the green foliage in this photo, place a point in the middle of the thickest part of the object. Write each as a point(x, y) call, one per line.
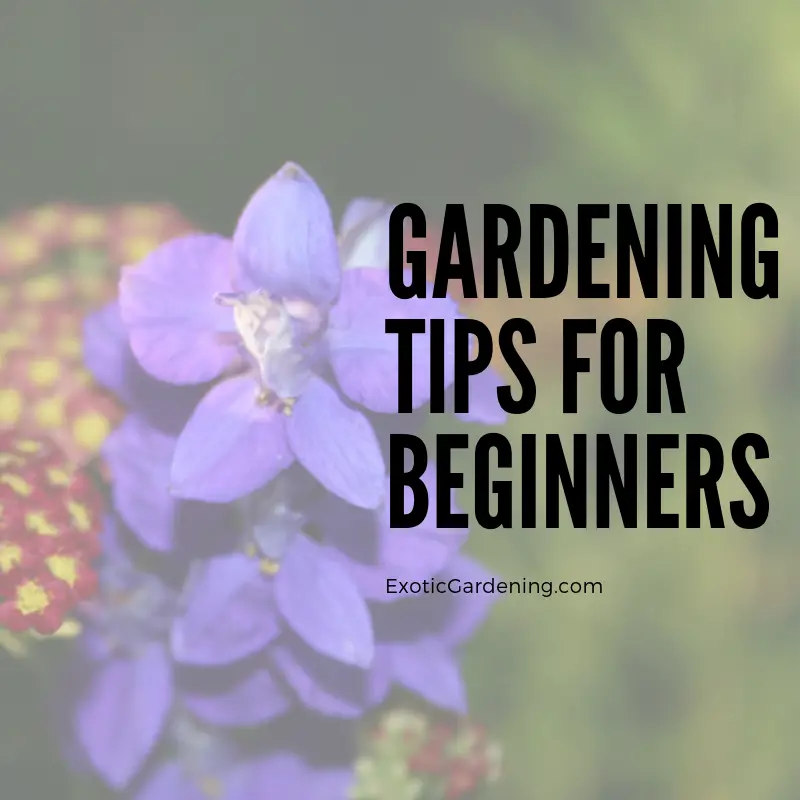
point(648, 100)
point(679, 681)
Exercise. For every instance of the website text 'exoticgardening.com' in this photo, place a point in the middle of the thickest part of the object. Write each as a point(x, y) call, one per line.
point(492, 586)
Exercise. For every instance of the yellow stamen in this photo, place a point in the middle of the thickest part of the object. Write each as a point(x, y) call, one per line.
point(58, 477)
point(37, 522)
point(28, 446)
point(31, 598)
point(9, 459)
point(91, 430)
point(10, 556)
point(80, 515)
point(50, 412)
point(10, 406)
point(65, 568)
point(16, 484)
point(263, 397)
point(44, 371)
point(269, 566)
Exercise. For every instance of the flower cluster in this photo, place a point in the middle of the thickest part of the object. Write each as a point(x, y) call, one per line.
point(57, 263)
point(409, 757)
point(243, 626)
point(50, 515)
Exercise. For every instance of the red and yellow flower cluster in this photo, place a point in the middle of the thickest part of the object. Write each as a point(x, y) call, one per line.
point(57, 263)
point(50, 520)
point(409, 754)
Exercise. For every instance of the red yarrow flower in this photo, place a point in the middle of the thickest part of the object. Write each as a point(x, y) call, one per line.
point(50, 520)
point(58, 263)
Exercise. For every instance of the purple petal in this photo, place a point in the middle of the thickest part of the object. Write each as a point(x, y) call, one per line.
point(250, 699)
point(364, 356)
point(484, 407)
point(120, 718)
point(285, 240)
point(323, 685)
point(168, 782)
point(167, 305)
point(322, 604)
point(105, 349)
point(231, 445)
point(229, 613)
point(109, 358)
point(285, 775)
point(338, 446)
point(431, 671)
point(139, 459)
point(364, 234)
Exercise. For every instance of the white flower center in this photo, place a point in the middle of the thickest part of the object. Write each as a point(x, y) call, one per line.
point(269, 332)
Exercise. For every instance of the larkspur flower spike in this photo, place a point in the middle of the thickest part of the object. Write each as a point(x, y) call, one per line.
point(286, 618)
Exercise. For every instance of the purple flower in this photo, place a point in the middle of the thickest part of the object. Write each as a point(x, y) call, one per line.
point(305, 759)
point(128, 686)
point(237, 604)
point(309, 570)
point(417, 642)
point(271, 314)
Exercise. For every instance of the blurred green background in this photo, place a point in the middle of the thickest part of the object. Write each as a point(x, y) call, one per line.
point(679, 681)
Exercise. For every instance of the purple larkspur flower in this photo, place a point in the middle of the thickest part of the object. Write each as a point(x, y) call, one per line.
point(271, 313)
point(130, 686)
point(315, 585)
point(236, 604)
point(128, 690)
point(417, 644)
point(364, 243)
point(309, 761)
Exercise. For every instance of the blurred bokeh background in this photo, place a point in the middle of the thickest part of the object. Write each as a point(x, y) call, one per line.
point(679, 681)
